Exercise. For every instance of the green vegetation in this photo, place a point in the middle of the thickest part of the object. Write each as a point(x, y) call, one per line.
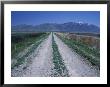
point(23, 44)
point(59, 67)
point(92, 54)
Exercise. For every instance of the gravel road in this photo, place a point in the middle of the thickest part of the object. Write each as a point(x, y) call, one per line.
point(42, 64)
point(76, 65)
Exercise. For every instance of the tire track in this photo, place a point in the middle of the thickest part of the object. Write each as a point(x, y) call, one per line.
point(76, 66)
point(42, 64)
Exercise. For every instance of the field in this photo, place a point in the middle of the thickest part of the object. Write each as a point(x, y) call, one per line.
point(23, 44)
point(87, 46)
point(54, 54)
point(90, 39)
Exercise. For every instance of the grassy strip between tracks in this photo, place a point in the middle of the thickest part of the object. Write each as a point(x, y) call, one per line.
point(91, 54)
point(25, 47)
point(59, 66)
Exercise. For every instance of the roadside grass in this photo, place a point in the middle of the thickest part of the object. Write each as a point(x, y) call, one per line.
point(59, 66)
point(21, 42)
point(91, 54)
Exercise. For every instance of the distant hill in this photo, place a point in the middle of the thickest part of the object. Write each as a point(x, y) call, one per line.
point(65, 27)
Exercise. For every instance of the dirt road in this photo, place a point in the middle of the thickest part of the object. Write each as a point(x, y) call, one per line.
point(74, 63)
point(42, 64)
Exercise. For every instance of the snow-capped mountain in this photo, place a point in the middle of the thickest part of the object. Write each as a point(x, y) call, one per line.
point(65, 27)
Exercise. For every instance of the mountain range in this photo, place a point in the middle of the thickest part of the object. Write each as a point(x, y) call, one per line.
point(54, 27)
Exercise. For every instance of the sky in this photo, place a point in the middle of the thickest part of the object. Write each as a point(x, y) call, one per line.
point(40, 17)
